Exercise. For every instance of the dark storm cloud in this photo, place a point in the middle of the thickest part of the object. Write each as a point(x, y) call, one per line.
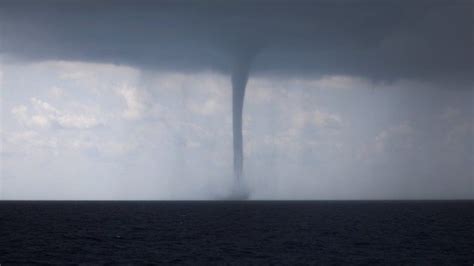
point(375, 39)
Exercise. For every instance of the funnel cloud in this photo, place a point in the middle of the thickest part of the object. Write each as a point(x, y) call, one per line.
point(240, 75)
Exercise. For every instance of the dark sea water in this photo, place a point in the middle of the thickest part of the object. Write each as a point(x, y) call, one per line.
point(268, 232)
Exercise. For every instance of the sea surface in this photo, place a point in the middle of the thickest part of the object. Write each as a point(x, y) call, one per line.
point(237, 232)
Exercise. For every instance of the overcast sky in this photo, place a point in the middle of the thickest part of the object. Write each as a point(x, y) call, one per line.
point(349, 100)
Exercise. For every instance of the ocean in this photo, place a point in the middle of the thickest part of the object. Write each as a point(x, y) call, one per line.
point(237, 232)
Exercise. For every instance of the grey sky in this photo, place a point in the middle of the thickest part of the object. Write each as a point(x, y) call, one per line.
point(346, 99)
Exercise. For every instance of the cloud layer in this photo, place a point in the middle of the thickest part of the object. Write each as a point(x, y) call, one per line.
point(375, 39)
